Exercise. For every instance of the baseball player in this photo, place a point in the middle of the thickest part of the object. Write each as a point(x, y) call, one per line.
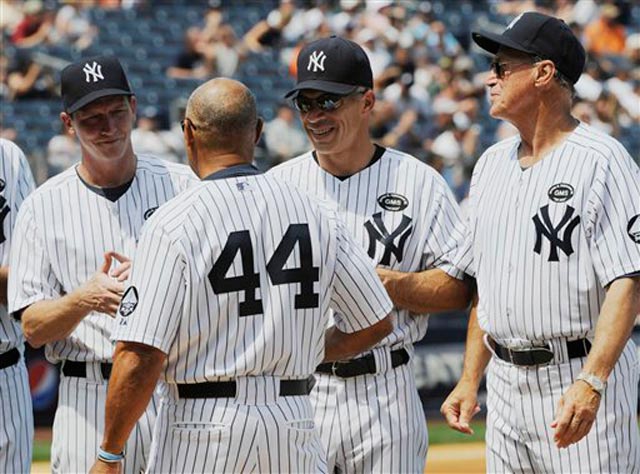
point(403, 215)
point(558, 270)
point(71, 234)
point(233, 316)
point(16, 415)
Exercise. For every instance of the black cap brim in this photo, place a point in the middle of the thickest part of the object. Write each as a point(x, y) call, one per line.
point(87, 99)
point(491, 42)
point(323, 86)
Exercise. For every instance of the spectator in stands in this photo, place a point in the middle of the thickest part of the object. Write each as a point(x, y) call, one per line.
point(283, 136)
point(63, 151)
point(146, 138)
point(192, 63)
point(29, 80)
point(605, 35)
point(225, 51)
point(72, 25)
point(35, 25)
point(267, 33)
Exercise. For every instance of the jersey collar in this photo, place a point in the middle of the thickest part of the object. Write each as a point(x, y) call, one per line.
point(244, 169)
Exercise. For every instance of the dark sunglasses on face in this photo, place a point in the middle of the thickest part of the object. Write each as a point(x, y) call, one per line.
point(500, 69)
point(183, 124)
point(325, 102)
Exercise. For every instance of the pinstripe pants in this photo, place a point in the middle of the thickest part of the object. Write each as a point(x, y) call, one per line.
point(16, 419)
point(253, 432)
point(371, 423)
point(522, 403)
point(79, 424)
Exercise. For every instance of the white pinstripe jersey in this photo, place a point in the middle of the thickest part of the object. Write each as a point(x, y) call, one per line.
point(544, 241)
point(16, 183)
point(401, 212)
point(249, 268)
point(64, 229)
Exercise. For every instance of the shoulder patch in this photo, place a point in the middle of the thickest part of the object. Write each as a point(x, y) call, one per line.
point(393, 202)
point(560, 192)
point(633, 228)
point(129, 302)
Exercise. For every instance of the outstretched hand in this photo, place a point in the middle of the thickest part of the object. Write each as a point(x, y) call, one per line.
point(101, 292)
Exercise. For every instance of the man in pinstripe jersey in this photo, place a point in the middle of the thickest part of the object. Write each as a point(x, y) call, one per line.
point(71, 234)
point(403, 214)
point(557, 263)
point(233, 314)
point(16, 416)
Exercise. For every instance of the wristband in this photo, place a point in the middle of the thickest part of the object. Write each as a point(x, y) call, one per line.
point(106, 456)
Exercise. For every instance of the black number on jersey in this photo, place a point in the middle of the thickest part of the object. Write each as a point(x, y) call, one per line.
point(306, 274)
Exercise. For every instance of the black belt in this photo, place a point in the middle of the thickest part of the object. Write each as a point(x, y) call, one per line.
point(361, 365)
point(71, 368)
point(9, 358)
point(227, 389)
point(540, 355)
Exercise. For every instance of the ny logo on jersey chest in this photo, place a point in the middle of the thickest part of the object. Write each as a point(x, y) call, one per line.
point(378, 233)
point(545, 228)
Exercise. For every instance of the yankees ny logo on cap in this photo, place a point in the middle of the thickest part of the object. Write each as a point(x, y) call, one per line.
point(93, 71)
point(316, 60)
point(91, 79)
point(347, 69)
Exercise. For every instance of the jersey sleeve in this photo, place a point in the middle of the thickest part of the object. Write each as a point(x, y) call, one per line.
point(31, 278)
point(464, 257)
point(152, 305)
point(613, 225)
point(447, 232)
point(358, 299)
point(16, 191)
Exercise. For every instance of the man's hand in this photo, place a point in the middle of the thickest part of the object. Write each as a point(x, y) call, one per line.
point(100, 467)
point(101, 293)
point(575, 414)
point(122, 272)
point(460, 406)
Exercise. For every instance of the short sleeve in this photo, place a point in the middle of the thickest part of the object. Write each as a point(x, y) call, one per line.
point(613, 217)
point(152, 305)
point(31, 278)
point(358, 299)
point(447, 232)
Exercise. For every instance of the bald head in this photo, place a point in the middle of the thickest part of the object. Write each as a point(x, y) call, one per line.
point(224, 112)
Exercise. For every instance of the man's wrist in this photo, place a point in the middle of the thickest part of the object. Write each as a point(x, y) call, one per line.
point(109, 456)
point(596, 383)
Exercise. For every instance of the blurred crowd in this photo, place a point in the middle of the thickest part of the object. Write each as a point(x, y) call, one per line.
point(429, 79)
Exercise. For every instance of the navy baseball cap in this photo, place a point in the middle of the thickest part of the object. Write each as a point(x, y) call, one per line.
point(335, 65)
point(540, 35)
point(90, 79)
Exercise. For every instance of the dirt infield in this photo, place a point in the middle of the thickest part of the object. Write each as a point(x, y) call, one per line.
point(467, 458)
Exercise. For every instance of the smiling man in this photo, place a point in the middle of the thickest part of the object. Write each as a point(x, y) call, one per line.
point(64, 283)
point(402, 213)
point(557, 266)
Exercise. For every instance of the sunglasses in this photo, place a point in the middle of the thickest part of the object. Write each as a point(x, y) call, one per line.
point(500, 69)
point(325, 102)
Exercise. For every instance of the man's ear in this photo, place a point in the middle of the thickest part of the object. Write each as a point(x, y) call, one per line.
point(369, 100)
point(65, 118)
point(259, 126)
point(546, 71)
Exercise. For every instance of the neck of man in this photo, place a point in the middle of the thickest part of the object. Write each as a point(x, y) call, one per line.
point(543, 130)
point(207, 167)
point(108, 173)
point(347, 162)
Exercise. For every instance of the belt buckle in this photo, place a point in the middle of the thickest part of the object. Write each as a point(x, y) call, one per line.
point(335, 365)
point(546, 348)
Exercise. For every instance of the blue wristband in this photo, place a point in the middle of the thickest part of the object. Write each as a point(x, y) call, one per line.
point(106, 456)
